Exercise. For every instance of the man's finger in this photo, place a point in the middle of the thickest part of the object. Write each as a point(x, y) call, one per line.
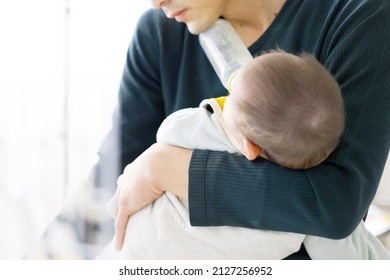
point(120, 227)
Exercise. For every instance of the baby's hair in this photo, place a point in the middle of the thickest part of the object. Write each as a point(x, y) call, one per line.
point(291, 107)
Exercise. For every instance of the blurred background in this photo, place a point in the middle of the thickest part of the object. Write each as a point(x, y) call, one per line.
point(60, 66)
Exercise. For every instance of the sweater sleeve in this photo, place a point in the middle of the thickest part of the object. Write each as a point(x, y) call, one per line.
point(331, 199)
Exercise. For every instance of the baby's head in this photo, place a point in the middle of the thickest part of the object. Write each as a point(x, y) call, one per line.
point(286, 108)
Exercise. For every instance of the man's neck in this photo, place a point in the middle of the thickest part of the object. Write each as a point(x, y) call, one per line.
point(251, 18)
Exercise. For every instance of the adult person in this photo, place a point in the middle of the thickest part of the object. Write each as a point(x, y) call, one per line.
point(166, 70)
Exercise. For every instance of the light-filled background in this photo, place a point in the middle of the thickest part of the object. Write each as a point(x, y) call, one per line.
point(60, 68)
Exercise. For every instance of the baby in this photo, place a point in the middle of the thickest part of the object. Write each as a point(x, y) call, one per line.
point(284, 108)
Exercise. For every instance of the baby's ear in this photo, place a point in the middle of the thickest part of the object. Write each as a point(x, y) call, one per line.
point(250, 150)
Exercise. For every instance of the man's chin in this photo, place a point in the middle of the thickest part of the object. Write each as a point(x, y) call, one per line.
point(196, 29)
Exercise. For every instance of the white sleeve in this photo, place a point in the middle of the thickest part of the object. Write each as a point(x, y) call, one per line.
point(194, 128)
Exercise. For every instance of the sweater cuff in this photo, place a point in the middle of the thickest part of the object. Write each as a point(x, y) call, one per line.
point(196, 188)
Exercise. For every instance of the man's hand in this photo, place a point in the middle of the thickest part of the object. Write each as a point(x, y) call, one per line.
point(160, 168)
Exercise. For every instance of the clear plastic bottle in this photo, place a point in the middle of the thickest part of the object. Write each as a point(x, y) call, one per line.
point(225, 50)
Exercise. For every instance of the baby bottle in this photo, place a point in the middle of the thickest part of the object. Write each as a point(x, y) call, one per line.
point(225, 50)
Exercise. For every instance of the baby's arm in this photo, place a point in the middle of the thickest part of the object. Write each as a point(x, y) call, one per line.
point(194, 128)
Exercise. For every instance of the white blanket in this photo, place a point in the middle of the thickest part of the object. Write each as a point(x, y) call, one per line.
point(162, 230)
